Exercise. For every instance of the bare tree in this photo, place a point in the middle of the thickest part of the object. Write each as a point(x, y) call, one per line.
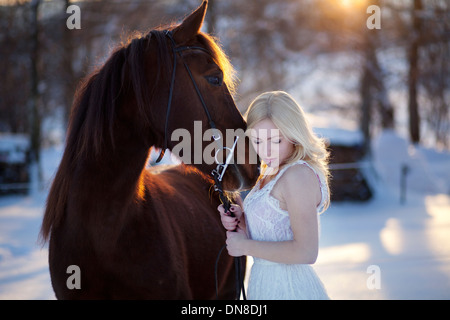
point(413, 57)
point(35, 114)
point(69, 78)
point(373, 91)
point(14, 66)
point(435, 70)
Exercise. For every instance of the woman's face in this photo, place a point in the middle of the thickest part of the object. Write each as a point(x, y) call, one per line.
point(270, 144)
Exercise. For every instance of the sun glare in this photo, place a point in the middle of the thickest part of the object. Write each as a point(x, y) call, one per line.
point(351, 4)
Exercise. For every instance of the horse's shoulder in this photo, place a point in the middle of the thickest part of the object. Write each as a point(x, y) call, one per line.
point(163, 168)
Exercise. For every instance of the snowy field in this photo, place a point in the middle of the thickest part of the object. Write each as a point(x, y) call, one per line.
point(380, 249)
point(409, 244)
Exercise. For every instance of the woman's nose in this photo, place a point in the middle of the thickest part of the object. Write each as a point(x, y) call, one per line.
point(263, 150)
point(268, 150)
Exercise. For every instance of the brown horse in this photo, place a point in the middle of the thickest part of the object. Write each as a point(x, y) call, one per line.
point(136, 233)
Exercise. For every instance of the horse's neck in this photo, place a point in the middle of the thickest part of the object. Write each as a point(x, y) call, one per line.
point(115, 174)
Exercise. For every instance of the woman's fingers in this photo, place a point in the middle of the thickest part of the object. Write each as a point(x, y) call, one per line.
point(221, 210)
point(230, 223)
point(230, 219)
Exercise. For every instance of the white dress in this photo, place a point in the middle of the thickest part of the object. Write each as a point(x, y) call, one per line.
point(266, 221)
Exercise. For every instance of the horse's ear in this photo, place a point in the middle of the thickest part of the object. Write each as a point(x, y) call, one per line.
point(191, 25)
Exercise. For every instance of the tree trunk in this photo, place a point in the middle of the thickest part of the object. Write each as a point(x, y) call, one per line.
point(34, 115)
point(365, 117)
point(414, 119)
point(35, 127)
point(69, 81)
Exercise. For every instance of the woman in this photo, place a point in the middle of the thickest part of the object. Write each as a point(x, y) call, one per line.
point(279, 223)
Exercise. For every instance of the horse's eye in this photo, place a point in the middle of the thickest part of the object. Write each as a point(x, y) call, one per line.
point(215, 80)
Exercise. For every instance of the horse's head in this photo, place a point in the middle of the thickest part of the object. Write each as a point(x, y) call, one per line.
point(195, 106)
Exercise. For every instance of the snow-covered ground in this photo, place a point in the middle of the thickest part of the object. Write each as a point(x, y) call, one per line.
point(380, 249)
point(409, 245)
point(402, 247)
point(23, 262)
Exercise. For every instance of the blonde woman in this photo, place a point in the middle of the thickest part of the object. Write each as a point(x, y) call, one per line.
point(279, 224)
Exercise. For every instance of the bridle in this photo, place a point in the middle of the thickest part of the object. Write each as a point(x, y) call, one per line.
point(176, 50)
point(221, 168)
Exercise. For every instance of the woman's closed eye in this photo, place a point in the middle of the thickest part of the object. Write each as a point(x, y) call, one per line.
point(275, 141)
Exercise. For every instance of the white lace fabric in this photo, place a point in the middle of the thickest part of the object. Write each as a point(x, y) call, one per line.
point(267, 221)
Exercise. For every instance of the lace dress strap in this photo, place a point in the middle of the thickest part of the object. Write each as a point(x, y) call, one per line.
point(279, 174)
point(322, 185)
point(283, 170)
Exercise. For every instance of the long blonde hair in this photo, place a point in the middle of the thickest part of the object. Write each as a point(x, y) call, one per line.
point(288, 116)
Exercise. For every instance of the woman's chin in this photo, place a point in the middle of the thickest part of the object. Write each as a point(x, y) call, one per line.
point(272, 168)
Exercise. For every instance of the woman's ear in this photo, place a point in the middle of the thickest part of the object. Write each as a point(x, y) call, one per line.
point(191, 25)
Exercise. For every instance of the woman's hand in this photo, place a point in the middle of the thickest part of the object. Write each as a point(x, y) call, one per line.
point(230, 223)
point(235, 242)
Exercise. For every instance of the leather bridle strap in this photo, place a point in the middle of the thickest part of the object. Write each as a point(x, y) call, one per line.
point(176, 51)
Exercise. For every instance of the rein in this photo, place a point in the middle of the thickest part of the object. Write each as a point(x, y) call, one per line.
point(218, 175)
point(219, 172)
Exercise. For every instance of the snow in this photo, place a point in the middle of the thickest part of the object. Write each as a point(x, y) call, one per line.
point(340, 137)
point(409, 244)
point(337, 131)
point(13, 148)
point(429, 171)
point(23, 262)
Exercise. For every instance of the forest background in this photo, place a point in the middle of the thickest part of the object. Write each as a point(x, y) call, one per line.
point(321, 51)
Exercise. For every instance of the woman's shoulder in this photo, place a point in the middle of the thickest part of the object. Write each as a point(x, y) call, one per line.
point(299, 172)
point(298, 177)
point(298, 180)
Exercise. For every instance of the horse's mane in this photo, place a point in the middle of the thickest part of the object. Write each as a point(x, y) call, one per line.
point(96, 102)
point(99, 95)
